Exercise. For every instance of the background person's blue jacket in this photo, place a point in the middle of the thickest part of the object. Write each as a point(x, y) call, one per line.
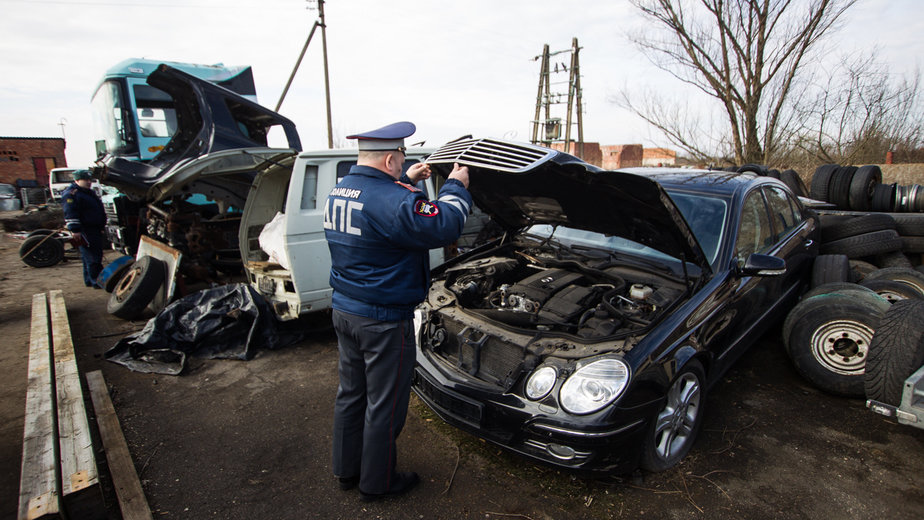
point(83, 210)
point(380, 232)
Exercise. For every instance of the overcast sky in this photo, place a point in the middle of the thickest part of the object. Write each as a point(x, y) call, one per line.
point(453, 68)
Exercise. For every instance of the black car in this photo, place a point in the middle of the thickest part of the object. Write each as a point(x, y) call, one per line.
point(587, 335)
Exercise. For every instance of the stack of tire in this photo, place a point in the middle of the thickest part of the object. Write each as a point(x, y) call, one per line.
point(873, 240)
point(858, 331)
point(861, 189)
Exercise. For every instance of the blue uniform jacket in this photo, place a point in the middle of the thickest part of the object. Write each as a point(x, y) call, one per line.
point(83, 210)
point(380, 232)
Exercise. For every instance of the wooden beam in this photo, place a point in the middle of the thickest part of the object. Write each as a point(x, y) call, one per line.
point(39, 491)
point(82, 494)
point(127, 485)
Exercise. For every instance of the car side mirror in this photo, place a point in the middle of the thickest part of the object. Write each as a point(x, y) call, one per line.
point(762, 265)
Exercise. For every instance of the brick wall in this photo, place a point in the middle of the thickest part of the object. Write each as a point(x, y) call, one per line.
point(591, 151)
point(18, 157)
point(617, 156)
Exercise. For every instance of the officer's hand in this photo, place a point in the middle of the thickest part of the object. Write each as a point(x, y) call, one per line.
point(460, 173)
point(418, 172)
point(77, 238)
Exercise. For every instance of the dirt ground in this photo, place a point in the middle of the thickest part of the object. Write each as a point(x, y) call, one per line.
point(247, 440)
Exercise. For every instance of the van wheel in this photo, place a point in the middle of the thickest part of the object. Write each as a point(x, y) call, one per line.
point(137, 288)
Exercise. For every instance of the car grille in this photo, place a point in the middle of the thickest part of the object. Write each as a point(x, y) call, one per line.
point(488, 153)
point(111, 212)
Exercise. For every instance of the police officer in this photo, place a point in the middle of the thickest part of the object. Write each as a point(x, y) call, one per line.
point(85, 217)
point(380, 229)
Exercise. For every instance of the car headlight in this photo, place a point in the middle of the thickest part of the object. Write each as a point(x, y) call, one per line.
point(541, 382)
point(594, 385)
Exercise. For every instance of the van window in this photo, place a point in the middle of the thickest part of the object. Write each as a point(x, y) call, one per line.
point(310, 188)
point(343, 167)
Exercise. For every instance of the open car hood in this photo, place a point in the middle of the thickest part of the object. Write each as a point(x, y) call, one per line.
point(520, 185)
point(219, 133)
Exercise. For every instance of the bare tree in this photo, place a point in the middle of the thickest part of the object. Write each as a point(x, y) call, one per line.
point(859, 113)
point(747, 54)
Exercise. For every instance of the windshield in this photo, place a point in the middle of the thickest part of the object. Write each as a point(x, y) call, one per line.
point(7, 191)
point(579, 239)
point(109, 132)
point(706, 217)
point(155, 111)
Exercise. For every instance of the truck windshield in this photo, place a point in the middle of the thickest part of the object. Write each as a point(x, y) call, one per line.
point(111, 133)
point(155, 111)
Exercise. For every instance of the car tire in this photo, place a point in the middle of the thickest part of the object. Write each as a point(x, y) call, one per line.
point(41, 251)
point(883, 198)
point(867, 244)
point(674, 428)
point(137, 288)
point(837, 287)
point(830, 268)
point(758, 169)
point(913, 245)
point(904, 275)
point(893, 259)
point(859, 269)
point(857, 225)
point(896, 352)
point(909, 225)
point(40, 232)
point(791, 178)
point(862, 185)
point(839, 186)
point(891, 290)
point(827, 338)
point(820, 180)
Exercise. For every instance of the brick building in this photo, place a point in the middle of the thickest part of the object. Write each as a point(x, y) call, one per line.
point(616, 156)
point(30, 158)
point(659, 157)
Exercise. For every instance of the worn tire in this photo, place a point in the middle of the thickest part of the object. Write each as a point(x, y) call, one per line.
point(830, 268)
point(758, 169)
point(828, 336)
point(839, 186)
point(862, 186)
point(41, 251)
point(838, 287)
point(664, 446)
point(40, 232)
point(883, 198)
point(116, 276)
point(820, 181)
point(867, 244)
point(859, 269)
point(896, 352)
point(904, 275)
point(909, 224)
point(137, 288)
point(791, 178)
point(892, 259)
point(858, 225)
point(913, 245)
point(891, 290)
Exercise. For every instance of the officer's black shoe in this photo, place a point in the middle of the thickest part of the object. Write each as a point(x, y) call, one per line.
point(404, 482)
point(348, 483)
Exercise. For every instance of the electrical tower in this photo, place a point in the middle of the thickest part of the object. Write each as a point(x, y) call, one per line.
point(551, 91)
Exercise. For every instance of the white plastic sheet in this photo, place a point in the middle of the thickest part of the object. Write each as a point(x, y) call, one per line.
point(272, 241)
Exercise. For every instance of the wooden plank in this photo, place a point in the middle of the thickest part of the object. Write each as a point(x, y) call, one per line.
point(39, 490)
point(81, 493)
point(128, 487)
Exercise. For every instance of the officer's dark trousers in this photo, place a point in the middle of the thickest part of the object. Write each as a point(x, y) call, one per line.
point(92, 256)
point(376, 360)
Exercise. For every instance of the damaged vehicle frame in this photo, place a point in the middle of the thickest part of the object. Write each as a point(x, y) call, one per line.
point(186, 203)
point(587, 336)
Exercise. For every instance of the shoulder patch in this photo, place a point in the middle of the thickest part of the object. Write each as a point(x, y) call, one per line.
point(407, 186)
point(425, 208)
point(70, 200)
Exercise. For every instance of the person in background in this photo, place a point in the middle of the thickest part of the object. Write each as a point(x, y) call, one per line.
point(380, 229)
point(85, 217)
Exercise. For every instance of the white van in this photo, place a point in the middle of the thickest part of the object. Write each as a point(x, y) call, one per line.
point(60, 178)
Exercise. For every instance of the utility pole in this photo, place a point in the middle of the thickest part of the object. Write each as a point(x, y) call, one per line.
point(317, 23)
point(545, 98)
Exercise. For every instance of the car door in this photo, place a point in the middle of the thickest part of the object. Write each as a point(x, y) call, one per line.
point(794, 242)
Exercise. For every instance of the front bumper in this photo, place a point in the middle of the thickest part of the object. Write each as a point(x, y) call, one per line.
point(608, 442)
